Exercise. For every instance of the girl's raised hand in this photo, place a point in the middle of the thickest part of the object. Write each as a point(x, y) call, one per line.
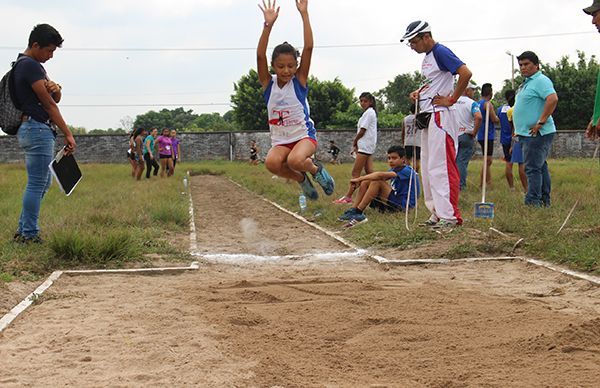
point(302, 5)
point(269, 11)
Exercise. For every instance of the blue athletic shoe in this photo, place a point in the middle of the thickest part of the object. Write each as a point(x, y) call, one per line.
point(356, 218)
point(308, 189)
point(324, 179)
point(348, 214)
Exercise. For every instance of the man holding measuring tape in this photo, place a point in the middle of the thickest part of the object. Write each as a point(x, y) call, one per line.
point(439, 139)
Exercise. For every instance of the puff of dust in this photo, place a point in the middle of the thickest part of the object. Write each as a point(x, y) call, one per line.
point(250, 232)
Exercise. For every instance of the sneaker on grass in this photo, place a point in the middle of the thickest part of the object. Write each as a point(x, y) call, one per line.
point(432, 221)
point(308, 189)
point(355, 219)
point(347, 214)
point(445, 225)
point(324, 179)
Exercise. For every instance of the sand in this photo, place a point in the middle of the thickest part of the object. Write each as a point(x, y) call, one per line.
point(305, 320)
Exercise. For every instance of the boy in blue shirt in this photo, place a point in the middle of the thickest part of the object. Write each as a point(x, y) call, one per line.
point(376, 192)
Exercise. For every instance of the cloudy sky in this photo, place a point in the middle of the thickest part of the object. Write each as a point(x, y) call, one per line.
point(124, 57)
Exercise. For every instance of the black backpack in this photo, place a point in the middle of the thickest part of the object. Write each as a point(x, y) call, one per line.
point(10, 114)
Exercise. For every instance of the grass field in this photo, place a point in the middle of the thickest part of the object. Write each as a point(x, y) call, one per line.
point(111, 220)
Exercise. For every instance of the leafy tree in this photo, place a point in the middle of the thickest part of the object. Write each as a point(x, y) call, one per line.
point(77, 130)
point(210, 122)
point(249, 108)
point(395, 94)
point(326, 98)
point(109, 131)
point(575, 85)
point(174, 119)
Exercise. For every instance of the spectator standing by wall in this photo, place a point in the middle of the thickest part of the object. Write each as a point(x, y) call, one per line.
point(535, 102)
point(411, 138)
point(364, 143)
point(485, 103)
point(150, 153)
point(468, 120)
point(506, 137)
point(38, 98)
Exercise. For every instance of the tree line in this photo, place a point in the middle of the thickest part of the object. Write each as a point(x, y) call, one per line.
point(335, 106)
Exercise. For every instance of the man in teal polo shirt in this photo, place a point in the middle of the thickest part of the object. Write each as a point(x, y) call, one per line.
point(593, 129)
point(532, 117)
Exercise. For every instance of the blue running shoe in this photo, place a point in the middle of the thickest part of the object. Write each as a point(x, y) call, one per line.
point(355, 219)
point(308, 189)
point(348, 214)
point(324, 179)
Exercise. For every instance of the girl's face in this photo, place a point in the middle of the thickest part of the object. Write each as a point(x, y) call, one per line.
point(154, 132)
point(166, 132)
point(173, 133)
point(285, 66)
point(364, 103)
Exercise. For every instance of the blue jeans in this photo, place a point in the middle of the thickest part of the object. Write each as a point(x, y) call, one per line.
point(536, 150)
point(37, 142)
point(463, 157)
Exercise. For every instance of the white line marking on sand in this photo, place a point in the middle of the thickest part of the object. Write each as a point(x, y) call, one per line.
point(193, 242)
point(9, 317)
point(18, 309)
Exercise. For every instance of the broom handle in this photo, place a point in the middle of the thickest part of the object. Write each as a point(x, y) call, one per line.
point(485, 152)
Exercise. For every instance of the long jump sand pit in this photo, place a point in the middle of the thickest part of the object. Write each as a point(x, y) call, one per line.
point(294, 318)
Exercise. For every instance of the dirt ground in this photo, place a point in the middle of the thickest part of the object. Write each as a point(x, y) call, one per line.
point(304, 315)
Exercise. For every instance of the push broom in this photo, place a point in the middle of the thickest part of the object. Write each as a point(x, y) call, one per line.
point(484, 209)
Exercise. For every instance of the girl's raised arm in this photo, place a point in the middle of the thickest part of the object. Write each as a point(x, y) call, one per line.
point(303, 70)
point(270, 13)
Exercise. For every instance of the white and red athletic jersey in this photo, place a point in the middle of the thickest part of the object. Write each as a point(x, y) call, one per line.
point(439, 67)
point(289, 113)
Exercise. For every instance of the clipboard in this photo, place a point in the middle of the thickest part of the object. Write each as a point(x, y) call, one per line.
point(65, 171)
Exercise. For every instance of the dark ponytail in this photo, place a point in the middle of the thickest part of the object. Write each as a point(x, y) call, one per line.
point(371, 99)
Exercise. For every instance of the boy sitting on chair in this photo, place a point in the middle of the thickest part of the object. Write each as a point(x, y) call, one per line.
point(375, 191)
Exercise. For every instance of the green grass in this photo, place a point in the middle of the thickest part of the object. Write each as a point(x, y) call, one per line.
point(108, 221)
point(111, 220)
point(578, 246)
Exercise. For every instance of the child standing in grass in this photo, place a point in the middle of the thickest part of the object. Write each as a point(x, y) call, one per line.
point(374, 190)
point(293, 134)
point(165, 153)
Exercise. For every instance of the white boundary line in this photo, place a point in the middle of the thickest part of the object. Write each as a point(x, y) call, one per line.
point(28, 301)
point(9, 317)
point(193, 242)
point(238, 257)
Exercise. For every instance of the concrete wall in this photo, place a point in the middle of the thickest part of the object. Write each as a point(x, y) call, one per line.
point(220, 145)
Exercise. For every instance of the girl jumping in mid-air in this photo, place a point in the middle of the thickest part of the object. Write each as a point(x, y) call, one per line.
point(293, 134)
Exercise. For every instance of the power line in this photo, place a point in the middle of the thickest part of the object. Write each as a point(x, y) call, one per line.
point(141, 105)
point(357, 45)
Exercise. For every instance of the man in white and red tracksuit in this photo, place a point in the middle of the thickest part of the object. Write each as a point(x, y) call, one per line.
point(439, 139)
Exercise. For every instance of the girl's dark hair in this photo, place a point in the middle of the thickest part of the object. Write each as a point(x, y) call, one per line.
point(137, 132)
point(371, 100)
point(45, 35)
point(284, 48)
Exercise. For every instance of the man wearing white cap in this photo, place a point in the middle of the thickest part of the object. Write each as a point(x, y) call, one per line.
point(593, 129)
point(439, 140)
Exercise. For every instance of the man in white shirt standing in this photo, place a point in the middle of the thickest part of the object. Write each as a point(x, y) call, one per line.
point(468, 118)
point(439, 140)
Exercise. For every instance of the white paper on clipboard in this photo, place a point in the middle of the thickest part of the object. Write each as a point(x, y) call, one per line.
point(65, 170)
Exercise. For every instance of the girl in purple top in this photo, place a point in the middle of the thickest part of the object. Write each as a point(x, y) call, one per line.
point(165, 152)
point(176, 148)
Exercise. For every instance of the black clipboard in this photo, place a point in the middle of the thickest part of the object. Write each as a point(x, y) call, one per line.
point(65, 171)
